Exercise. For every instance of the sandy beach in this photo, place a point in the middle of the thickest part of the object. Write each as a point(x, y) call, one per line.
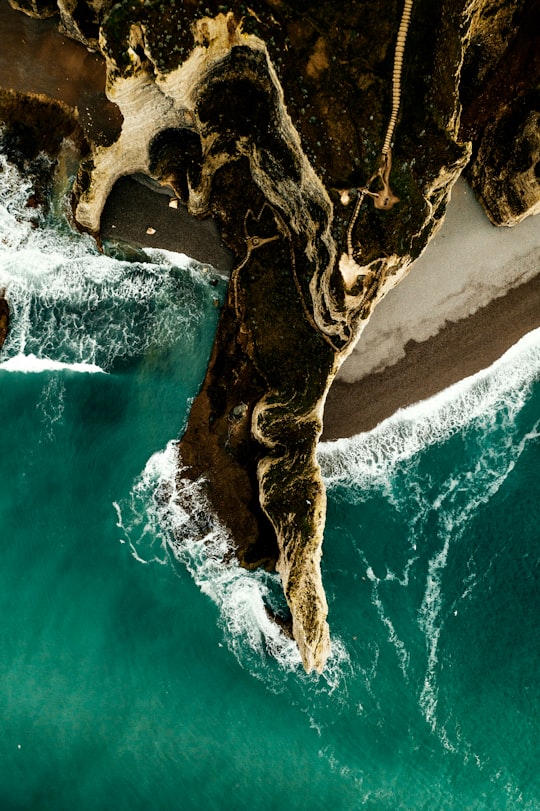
point(473, 293)
point(138, 212)
point(460, 349)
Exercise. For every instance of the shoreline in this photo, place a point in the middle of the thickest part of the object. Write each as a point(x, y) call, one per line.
point(471, 296)
point(466, 265)
point(460, 349)
point(423, 337)
point(139, 216)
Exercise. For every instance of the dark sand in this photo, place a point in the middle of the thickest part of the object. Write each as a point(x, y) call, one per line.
point(460, 349)
point(36, 58)
point(133, 207)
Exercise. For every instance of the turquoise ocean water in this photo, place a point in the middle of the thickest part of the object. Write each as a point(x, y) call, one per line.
point(139, 671)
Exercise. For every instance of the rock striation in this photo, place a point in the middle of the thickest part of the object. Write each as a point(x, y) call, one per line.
point(325, 139)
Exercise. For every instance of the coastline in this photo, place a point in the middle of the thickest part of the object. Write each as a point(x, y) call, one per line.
point(456, 347)
point(468, 263)
point(37, 59)
point(471, 295)
point(460, 349)
point(138, 215)
point(481, 296)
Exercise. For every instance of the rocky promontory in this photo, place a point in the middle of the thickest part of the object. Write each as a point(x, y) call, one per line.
point(324, 139)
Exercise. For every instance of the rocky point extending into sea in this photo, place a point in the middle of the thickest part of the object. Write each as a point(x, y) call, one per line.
point(324, 139)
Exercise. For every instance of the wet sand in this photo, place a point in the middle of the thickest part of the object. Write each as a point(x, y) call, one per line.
point(472, 294)
point(460, 349)
point(36, 58)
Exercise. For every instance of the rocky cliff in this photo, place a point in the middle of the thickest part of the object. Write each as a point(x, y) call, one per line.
point(325, 139)
point(4, 317)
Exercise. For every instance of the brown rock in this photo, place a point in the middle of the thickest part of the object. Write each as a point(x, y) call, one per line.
point(4, 317)
point(501, 98)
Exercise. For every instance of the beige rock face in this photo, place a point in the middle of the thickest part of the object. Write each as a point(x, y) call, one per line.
point(291, 492)
point(501, 109)
point(151, 102)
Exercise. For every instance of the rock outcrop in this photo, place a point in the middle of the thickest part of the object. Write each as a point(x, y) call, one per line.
point(501, 109)
point(325, 139)
point(4, 317)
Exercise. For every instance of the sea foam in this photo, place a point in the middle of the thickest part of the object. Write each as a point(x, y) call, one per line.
point(73, 306)
point(32, 364)
point(168, 517)
point(476, 433)
point(366, 459)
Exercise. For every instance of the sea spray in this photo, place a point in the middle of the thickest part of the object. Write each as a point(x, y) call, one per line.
point(430, 565)
point(74, 306)
point(158, 526)
point(97, 311)
point(167, 518)
point(435, 466)
point(28, 364)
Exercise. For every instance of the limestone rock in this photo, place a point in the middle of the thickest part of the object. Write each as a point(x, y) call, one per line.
point(35, 8)
point(506, 172)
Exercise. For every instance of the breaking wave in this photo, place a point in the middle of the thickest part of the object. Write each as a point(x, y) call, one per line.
point(29, 364)
point(73, 306)
point(167, 518)
point(435, 466)
point(498, 392)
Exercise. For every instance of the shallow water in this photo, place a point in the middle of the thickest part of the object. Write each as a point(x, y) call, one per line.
point(139, 671)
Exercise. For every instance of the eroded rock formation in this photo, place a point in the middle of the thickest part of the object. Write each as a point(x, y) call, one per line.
point(325, 138)
point(4, 317)
point(501, 109)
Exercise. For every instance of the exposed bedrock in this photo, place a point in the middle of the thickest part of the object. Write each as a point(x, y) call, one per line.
point(501, 115)
point(4, 317)
point(325, 139)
